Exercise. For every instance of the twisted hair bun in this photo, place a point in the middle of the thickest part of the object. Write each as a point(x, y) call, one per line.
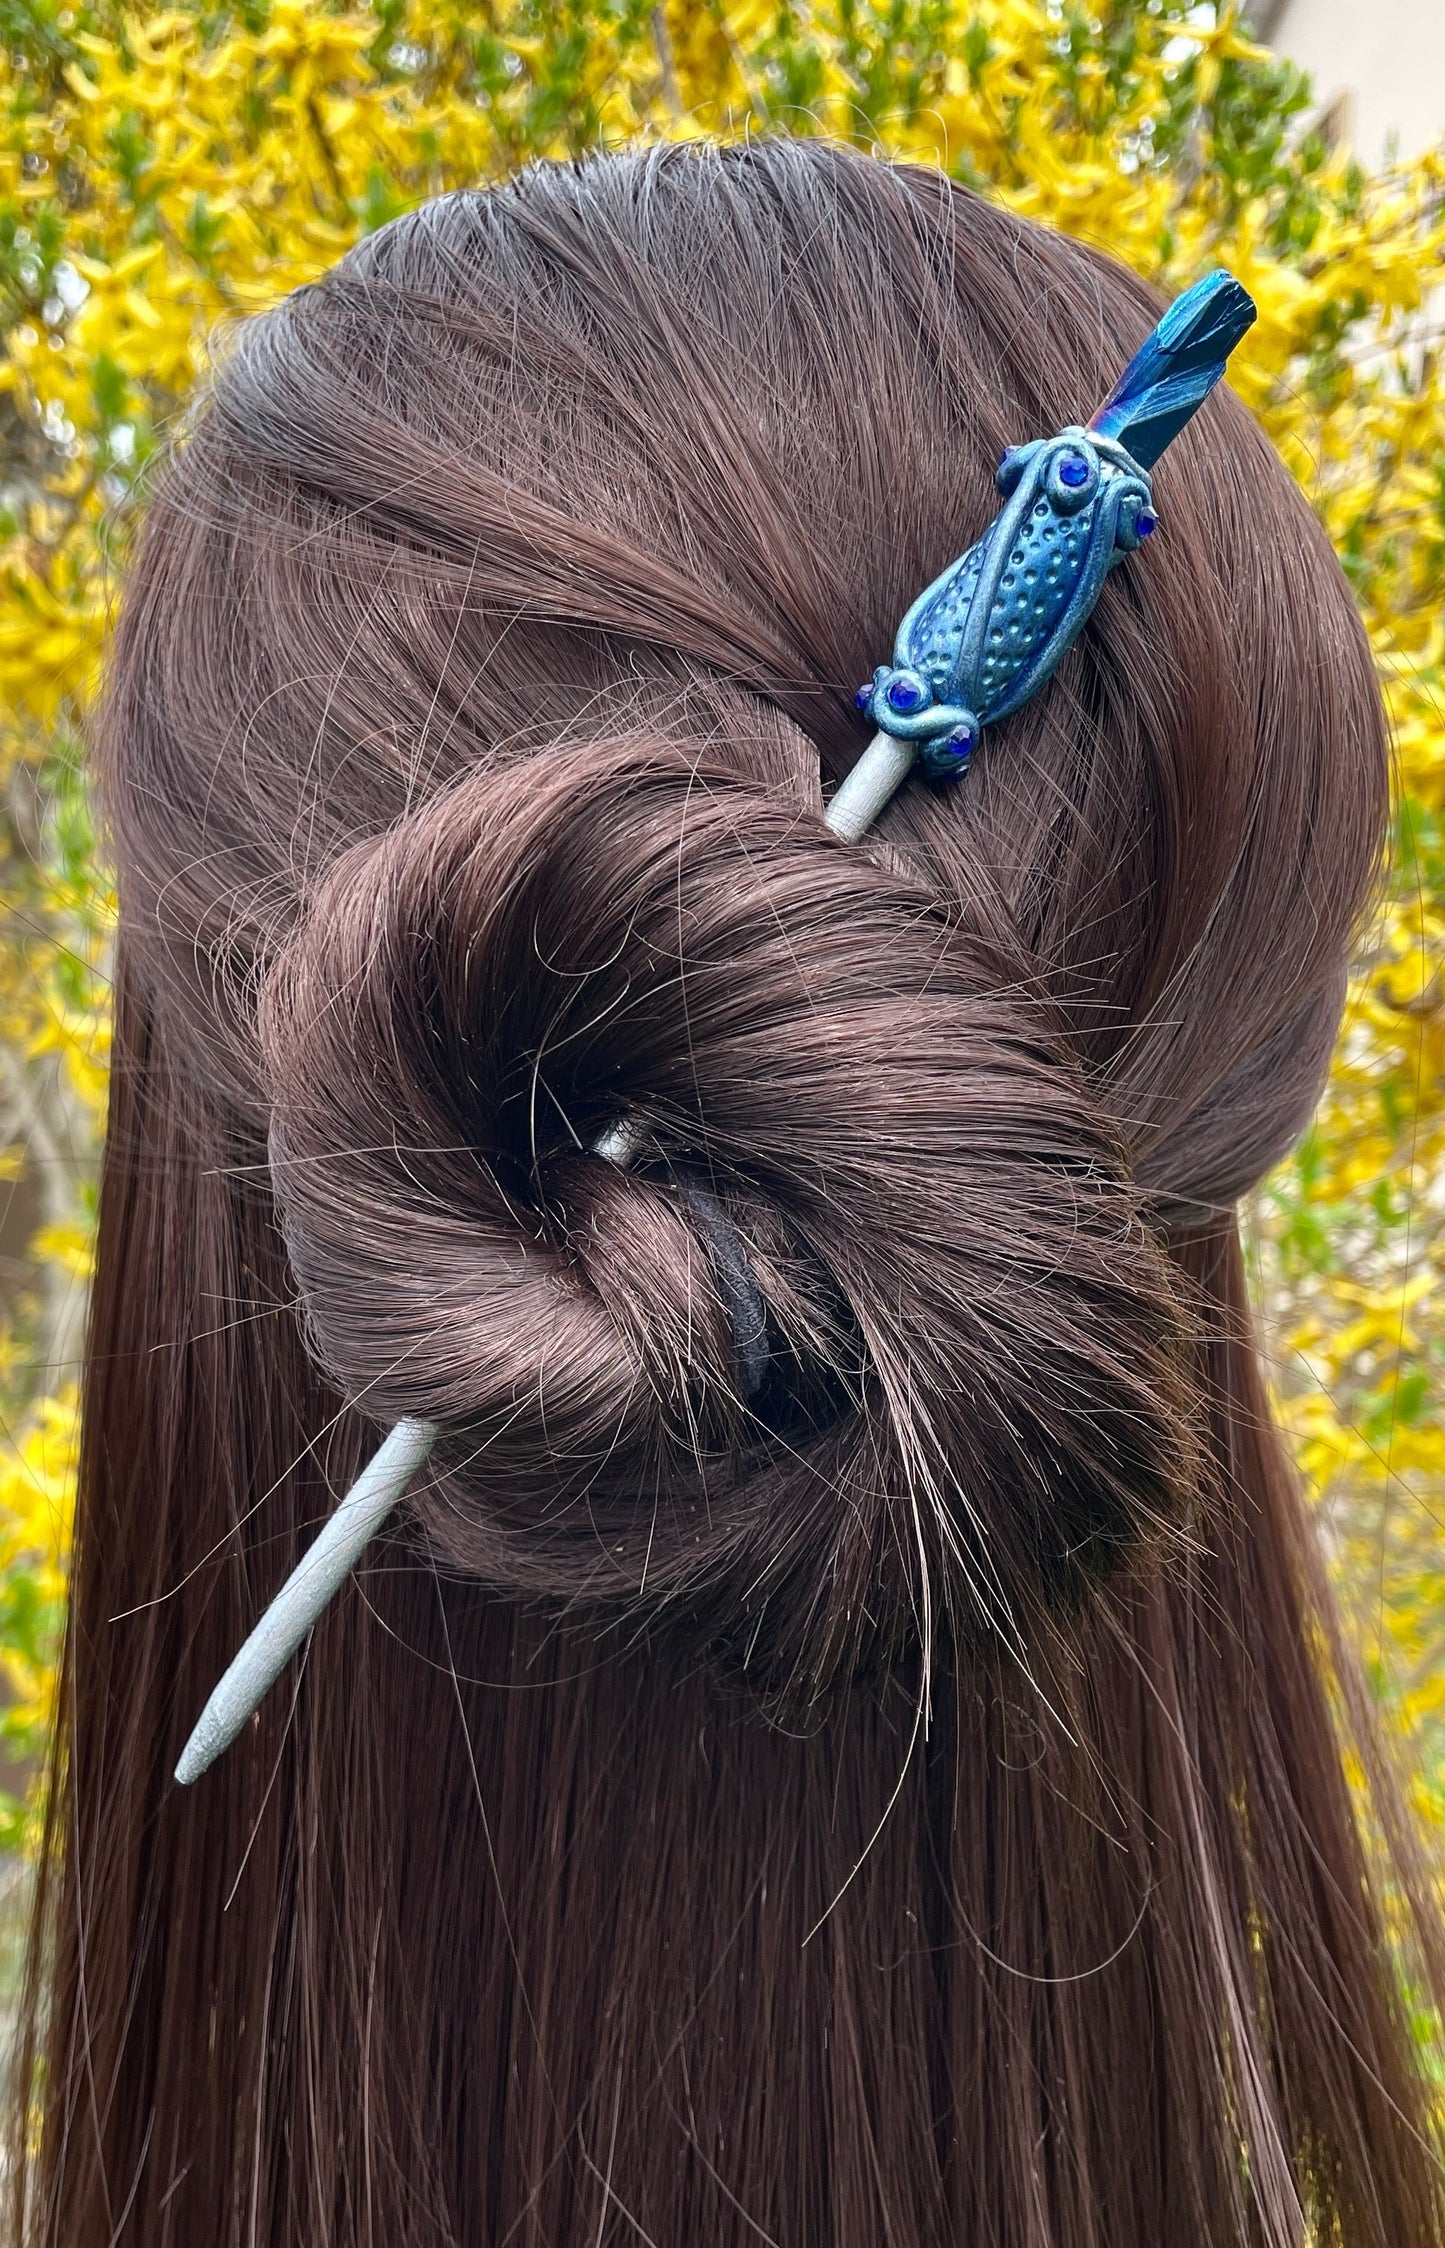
point(973, 1389)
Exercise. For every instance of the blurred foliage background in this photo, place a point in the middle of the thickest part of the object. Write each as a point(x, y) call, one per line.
point(166, 170)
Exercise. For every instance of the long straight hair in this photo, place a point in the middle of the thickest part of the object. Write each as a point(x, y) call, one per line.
point(896, 1793)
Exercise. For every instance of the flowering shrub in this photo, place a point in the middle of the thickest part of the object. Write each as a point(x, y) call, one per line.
point(165, 169)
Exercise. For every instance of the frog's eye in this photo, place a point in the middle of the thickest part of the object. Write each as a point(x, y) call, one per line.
point(1073, 478)
point(906, 693)
point(1136, 520)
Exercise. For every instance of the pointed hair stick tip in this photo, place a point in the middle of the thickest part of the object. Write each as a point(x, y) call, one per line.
point(317, 1577)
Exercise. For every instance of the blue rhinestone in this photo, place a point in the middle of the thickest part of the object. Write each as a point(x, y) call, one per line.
point(961, 740)
point(864, 695)
point(1148, 521)
point(1073, 470)
point(905, 695)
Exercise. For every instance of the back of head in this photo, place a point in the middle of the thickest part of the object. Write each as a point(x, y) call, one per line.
point(845, 1758)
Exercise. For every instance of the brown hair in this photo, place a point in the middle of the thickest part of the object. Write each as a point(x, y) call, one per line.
point(889, 1793)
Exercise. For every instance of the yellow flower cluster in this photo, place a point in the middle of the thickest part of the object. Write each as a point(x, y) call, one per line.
point(37, 1486)
point(163, 170)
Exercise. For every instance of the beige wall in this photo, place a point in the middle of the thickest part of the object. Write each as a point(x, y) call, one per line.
point(1378, 64)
